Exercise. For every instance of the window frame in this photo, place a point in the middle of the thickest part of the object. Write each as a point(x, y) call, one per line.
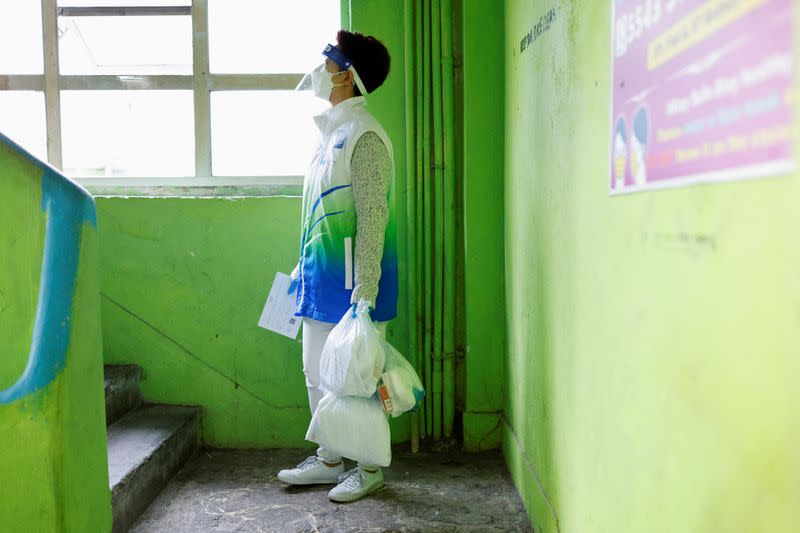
point(201, 82)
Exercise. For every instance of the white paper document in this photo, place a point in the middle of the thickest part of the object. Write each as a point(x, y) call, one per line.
point(278, 313)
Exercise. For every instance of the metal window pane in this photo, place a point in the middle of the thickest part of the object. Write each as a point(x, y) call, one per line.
point(21, 37)
point(263, 133)
point(257, 37)
point(125, 45)
point(128, 133)
point(22, 119)
point(122, 3)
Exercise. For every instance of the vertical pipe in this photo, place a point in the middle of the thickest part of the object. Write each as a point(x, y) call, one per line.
point(438, 216)
point(418, 149)
point(448, 112)
point(426, 169)
point(346, 14)
point(410, 183)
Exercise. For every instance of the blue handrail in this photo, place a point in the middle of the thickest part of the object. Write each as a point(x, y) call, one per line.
point(66, 207)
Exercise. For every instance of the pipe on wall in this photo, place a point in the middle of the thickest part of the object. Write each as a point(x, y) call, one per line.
point(449, 200)
point(410, 104)
point(426, 215)
point(438, 215)
point(420, 227)
point(431, 209)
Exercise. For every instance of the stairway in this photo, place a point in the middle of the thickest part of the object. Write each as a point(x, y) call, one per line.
point(147, 444)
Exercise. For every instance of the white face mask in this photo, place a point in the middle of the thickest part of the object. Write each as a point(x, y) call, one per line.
point(321, 82)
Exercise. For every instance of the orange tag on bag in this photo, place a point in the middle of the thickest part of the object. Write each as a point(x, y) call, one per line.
point(386, 400)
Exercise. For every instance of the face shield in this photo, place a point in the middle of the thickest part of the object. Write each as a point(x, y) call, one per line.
point(319, 80)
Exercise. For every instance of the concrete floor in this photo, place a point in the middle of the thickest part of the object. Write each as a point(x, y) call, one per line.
point(236, 490)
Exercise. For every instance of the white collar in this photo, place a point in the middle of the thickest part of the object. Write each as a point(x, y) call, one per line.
point(331, 118)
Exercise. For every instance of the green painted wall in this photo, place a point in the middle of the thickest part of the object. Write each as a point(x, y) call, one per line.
point(483, 122)
point(53, 461)
point(653, 338)
point(20, 261)
point(184, 281)
point(183, 284)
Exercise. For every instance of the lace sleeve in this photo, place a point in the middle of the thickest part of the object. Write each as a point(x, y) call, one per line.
point(370, 169)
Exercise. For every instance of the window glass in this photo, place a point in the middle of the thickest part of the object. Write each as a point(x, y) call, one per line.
point(22, 119)
point(144, 133)
point(125, 45)
point(128, 133)
point(257, 37)
point(21, 31)
point(268, 133)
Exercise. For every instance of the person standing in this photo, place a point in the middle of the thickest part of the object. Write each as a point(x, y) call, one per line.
point(348, 248)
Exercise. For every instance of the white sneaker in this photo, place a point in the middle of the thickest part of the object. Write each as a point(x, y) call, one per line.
point(312, 471)
point(356, 484)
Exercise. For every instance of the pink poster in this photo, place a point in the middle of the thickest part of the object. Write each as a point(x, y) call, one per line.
point(702, 92)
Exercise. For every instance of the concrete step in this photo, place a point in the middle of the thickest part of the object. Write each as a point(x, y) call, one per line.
point(122, 390)
point(146, 448)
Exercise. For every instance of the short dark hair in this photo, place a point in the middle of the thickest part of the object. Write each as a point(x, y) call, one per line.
point(369, 56)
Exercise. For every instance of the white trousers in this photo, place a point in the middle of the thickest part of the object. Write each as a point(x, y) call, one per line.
point(315, 333)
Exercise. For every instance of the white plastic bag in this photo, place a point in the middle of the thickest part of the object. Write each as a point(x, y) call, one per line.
point(356, 428)
point(352, 359)
point(400, 388)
